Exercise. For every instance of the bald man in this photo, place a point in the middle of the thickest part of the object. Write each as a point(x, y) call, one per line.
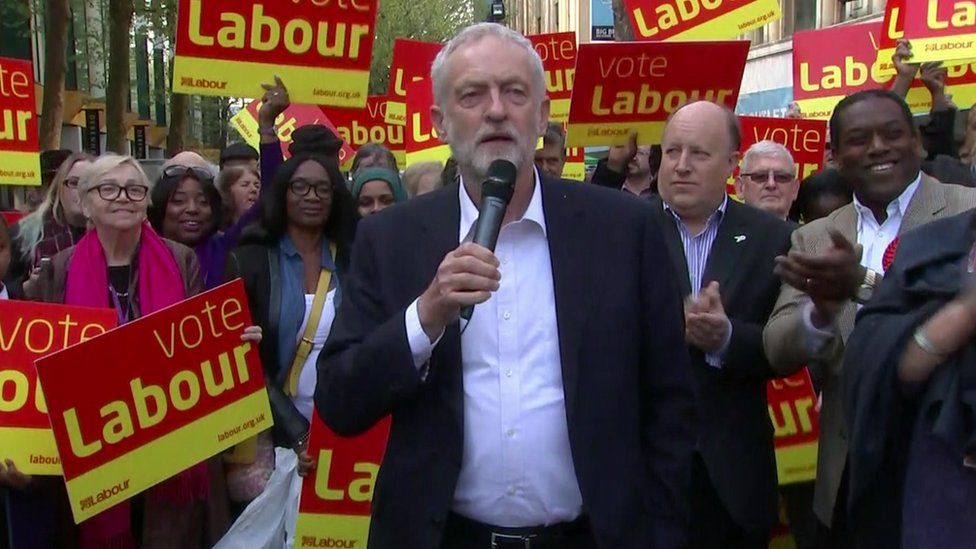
point(724, 255)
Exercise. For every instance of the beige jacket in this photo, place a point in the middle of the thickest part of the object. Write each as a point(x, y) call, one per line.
point(785, 339)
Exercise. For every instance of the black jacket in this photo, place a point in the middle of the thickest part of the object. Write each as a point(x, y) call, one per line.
point(627, 390)
point(735, 434)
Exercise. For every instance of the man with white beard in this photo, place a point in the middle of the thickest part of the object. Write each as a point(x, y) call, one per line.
point(560, 414)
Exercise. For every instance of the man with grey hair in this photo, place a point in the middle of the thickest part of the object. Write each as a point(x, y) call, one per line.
point(767, 178)
point(560, 414)
point(551, 158)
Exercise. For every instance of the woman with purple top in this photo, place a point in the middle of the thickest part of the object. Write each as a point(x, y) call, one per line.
point(186, 205)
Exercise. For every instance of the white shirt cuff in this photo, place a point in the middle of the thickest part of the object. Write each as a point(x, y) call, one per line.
point(716, 359)
point(420, 345)
point(814, 338)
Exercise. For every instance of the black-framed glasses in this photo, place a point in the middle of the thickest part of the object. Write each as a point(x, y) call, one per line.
point(71, 182)
point(302, 188)
point(179, 172)
point(111, 192)
point(781, 178)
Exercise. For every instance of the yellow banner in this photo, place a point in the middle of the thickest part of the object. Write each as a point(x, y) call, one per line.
point(439, 153)
point(951, 49)
point(20, 168)
point(396, 113)
point(33, 450)
point(247, 126)
point(726, 26)
point(343, 531)
point(559, 110)
point(574, 170)
point(613, 133)
point(146, 466)
point(796, 463)
point(195, 75)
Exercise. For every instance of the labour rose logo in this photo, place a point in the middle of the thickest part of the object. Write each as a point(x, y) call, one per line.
point(889, 255)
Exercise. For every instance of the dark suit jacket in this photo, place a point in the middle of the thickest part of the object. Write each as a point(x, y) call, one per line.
point(625, 369)
point(735, 434)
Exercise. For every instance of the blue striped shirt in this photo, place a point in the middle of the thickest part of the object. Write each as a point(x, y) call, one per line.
point(697, 248)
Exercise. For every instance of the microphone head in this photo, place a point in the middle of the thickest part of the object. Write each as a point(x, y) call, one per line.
point(500, 182)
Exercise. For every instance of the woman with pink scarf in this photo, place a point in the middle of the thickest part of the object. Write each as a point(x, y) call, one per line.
point(125, 265)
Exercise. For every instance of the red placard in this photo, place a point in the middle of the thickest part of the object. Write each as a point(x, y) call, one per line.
point(173, 388)
point(941, 30)
point(622, 87)
point(830, 64)
point(805, 139)
point(411, 62)
point(360, 126)
point(558, 53)
point(321, 48)
point(892, 29)
point(422, 143)
point(796, 426)
point(20, 162)
point(29, 331)
point(336, 499)
point(12, 217)
point(698, 19)
point(294, 117)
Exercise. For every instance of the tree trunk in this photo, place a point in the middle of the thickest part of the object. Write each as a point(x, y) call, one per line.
point(118, 90)
point(179, 108)
point(57, 19)
point(622, 31)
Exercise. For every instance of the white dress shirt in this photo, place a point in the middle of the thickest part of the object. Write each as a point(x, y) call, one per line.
point(516, 468)
point(875, 239)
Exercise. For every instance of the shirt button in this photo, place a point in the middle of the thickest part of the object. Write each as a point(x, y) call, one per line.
point(504, 261)
point(508, 373)
point(510, 433)
point(511, 490)
point(507, 315)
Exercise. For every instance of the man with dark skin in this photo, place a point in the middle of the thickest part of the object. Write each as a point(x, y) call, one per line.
point(836, 262)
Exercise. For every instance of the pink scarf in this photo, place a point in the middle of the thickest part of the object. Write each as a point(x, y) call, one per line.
point(160, 284)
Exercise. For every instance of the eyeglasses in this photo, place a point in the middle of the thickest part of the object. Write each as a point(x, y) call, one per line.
point(71, 182)
point(781, 178)
point(111, 192)
point(179, 172)
point(302, 188)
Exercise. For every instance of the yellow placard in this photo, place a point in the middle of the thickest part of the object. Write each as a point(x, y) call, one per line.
point(117, 480)
point(343, 531)
point(439, 153)
point(396, 113)
point(574, 170)
point(196, 75)
point(20, 168)
point(796, 463)
point(613, 133)
point(731, 24)
point(33, 450)
point(247, 126)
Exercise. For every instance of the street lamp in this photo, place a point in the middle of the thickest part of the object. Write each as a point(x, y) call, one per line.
point(497, 13)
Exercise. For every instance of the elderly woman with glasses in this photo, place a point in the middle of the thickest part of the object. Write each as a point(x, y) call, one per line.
point(123, 264)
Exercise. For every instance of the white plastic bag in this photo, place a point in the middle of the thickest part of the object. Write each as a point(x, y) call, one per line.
point(269, 521)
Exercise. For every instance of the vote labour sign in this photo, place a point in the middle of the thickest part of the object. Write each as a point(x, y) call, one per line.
point(698, 19)
point(941, 30)
point(558, 53)
point(635, 86)
point(320, 48)
point(360, 126)
point(336, 498)
point(805, 139)
point(796, 426)
point(29, 331)
point(829, 64)
point(411, 62)
point(154, 397)
point(422, 143)
point(20, 162)
point(294, 117)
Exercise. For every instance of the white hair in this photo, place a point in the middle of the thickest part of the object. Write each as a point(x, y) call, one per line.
point(768, 148)
point(474, 33)
point(94, 173)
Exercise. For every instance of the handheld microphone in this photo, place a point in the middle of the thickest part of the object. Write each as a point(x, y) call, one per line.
point(496, 193)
